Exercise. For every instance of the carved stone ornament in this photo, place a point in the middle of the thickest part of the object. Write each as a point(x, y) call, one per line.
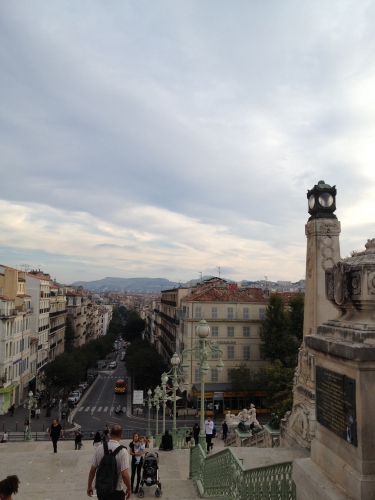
point(305, 363)
point(298, 421)
point(328, 227)
point(353, 287)
point(310, 257)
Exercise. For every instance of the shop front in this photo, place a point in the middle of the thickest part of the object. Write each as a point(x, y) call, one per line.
point(228, 401)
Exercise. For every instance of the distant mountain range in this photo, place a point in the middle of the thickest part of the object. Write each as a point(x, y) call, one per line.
point(135, 285)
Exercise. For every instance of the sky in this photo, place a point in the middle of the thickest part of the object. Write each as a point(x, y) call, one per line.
point(167, 139)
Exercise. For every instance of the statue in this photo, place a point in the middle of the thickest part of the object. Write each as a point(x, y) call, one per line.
point(244, 415)
point(274, 422)
point(242, 427)
point(228, 418)
point(253, 415)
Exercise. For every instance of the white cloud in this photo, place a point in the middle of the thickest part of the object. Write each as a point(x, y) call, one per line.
point(175, 137)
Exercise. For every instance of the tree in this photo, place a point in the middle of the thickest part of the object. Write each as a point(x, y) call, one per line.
point(296, 314)
point(278, 382)
point(134, 327)
point(70, 335)
point(64, 371)
point(277, 341)
point(144, 364)
point(243, 380)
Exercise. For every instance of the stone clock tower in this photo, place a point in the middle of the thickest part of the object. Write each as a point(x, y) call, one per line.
point(323, 252)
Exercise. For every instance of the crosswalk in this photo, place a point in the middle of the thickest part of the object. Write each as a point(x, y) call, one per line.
point(99, 409)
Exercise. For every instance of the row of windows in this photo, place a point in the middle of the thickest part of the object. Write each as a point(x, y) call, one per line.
point(230, 331)
point(214, 375)
point(13, 348)
point(12, 328)
point(230, 313)
point(16, 370)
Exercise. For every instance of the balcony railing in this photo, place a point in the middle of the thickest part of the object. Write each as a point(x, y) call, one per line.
point(58, 327)
point(169, 302)
point(57, 313)
point(168, 318)
point(9, 312)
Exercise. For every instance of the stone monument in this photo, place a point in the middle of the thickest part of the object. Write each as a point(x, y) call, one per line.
point(344, 354)
point(323, 252)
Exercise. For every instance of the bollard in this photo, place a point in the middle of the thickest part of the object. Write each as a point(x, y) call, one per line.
point(16, 426)
point(3, 426)
point(43, 426)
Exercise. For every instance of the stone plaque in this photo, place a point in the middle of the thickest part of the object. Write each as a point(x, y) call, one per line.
point(335, 404)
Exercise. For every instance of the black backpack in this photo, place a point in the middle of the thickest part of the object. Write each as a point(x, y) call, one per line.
point(107, 475)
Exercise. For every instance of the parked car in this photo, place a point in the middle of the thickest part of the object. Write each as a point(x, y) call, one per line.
point(112, 365)
point(74, 397)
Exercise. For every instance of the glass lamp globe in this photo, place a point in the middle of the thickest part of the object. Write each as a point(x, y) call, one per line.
point(203, 330)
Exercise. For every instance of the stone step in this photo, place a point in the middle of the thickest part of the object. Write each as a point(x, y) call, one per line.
point(45, 475)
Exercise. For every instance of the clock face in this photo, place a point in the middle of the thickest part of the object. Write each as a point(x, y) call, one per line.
point(325, 200)
point(311, 202)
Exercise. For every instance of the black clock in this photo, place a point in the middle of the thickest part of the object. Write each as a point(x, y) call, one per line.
point(322, 201)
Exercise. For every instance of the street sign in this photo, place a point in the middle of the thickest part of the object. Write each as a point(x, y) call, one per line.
point(138, 398)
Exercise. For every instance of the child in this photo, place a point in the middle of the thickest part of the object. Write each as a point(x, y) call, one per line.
point(139, 450)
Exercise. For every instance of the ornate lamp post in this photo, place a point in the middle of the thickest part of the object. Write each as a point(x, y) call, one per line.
point(164, 380)
point(202, 354)
point(149, 402)
point(174, 373)
point(30, 403)
point(156, 402)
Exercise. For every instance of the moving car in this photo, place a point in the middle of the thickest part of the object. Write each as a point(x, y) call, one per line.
point(112, 365)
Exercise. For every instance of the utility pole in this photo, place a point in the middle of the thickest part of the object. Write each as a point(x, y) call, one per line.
point(219, 271)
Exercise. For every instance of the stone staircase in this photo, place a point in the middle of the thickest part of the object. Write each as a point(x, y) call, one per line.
point(45, 475)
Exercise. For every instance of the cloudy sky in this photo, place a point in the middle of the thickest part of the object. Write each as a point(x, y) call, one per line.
point(165, 138)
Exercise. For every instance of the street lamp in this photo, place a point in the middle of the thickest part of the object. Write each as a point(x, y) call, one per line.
point(149, 402)
point(202, 354)
point(30, 403)
point(164, 380)
point(175, 374)
point(156, 401)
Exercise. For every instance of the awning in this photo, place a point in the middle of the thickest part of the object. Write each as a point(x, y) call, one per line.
point(4, 390)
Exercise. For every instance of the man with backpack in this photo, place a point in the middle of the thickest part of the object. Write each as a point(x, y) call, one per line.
point(110, 465)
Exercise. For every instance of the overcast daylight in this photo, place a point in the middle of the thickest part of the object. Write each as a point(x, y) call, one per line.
point(163, 138)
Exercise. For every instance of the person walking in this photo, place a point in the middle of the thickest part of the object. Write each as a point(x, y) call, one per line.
point(196, 431)
point(78, 440)
point(208, 428)
point(9, 486)
point(37, 413)
point(122, 461)
point(55, 433)
point(26, 425)
point(225, 430)
point(136, 465)
point(97, 440)
point(11, 410)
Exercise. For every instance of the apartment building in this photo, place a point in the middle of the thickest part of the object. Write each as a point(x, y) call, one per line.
point(15, 327)
point(76, 305)
point(38, 286)
point(105, 315)
point(57, 316)
point(166, 322)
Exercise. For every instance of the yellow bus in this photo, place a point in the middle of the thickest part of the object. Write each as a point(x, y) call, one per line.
point(120, 386)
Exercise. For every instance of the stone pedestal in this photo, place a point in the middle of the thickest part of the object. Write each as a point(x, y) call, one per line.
point(323, 251)
point(344, 443)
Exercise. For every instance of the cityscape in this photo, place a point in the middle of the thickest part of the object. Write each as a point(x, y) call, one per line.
point(187, 257)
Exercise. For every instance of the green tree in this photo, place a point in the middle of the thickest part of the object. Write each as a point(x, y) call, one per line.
point(277, 341)
point(70, 335)
point(144, 364)
point(134, 326)
point(296, 313)
point(244, 380)
point(64, 371)
point(278, 382)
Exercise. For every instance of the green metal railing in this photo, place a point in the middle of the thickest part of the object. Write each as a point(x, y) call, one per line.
point(179, 438)
point(222, 475)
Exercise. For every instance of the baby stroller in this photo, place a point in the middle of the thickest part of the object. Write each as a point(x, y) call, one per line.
point(150, 474)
